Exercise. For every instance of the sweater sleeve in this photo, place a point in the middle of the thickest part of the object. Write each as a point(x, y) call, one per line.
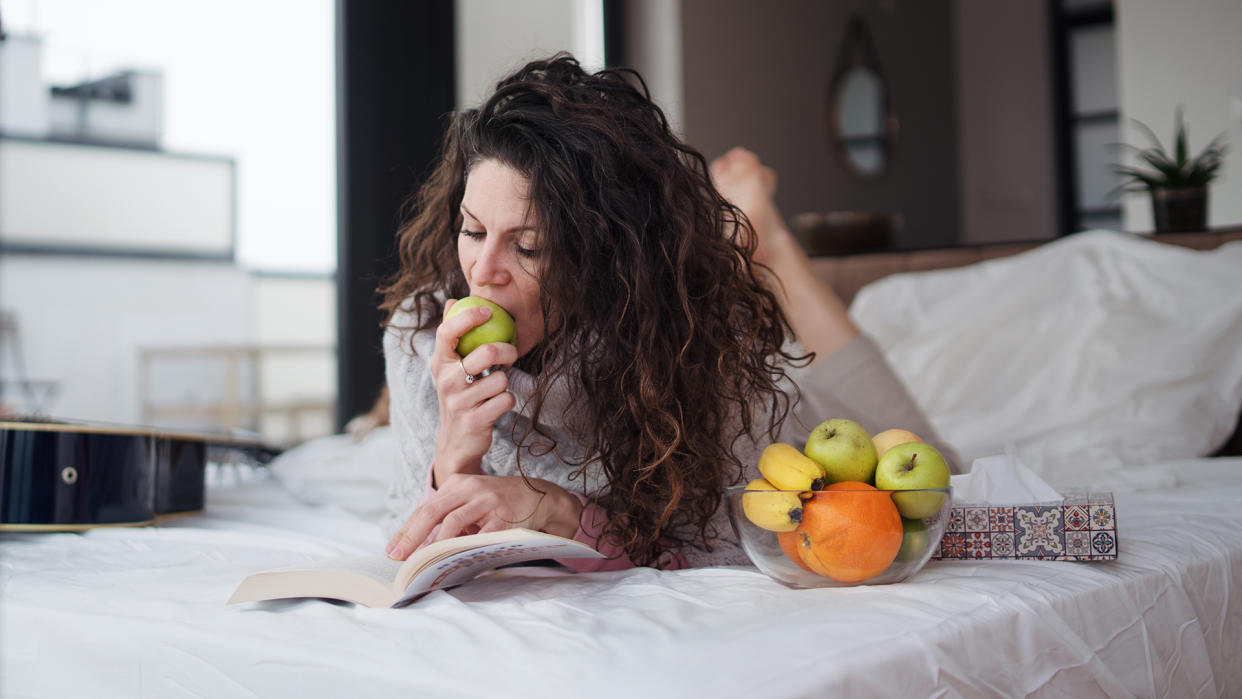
point(590, 530)
point(857, 382)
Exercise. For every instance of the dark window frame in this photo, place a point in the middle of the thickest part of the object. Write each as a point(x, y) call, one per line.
point(396, 84)
point(1063, 23)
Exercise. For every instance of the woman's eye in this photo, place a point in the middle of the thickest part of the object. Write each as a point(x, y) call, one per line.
point(473, 235)
point(527, 252)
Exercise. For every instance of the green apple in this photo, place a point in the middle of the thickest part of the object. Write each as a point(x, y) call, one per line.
point(914, 466)
point(499, 328)
point(914, 540)
point(844, 449)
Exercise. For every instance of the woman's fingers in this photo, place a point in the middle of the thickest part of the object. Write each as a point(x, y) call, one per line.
point(482, 415)
point(451, 329)
point(427, 516)
point(471, 503)
point(476, 394)
point(468, 518)
point(490, 355)
point(455, 511)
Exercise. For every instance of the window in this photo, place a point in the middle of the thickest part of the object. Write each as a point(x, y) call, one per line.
point(171, 187)
point(1087, 113)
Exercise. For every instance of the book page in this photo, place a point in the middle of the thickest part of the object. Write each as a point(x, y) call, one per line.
point(366, 580)
point(456, 569)
point(378, 568)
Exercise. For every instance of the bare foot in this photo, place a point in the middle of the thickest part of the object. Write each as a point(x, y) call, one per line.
point(750, 185)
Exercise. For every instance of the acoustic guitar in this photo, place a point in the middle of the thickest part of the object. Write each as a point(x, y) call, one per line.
point(64, 476)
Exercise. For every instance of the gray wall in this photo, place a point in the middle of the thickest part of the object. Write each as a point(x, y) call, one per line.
point(756, 74)
point(1005, 127)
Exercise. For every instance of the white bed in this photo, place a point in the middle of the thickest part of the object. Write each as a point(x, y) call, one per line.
point(140, 612)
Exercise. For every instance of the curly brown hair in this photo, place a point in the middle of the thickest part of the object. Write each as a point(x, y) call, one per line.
point(653, 308)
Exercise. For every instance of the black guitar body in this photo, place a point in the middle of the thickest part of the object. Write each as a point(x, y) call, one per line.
point(60, 476)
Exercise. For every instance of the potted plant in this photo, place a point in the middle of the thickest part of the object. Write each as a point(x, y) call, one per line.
point(1177, 182)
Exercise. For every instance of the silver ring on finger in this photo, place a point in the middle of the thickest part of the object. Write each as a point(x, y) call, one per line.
point(469, 377)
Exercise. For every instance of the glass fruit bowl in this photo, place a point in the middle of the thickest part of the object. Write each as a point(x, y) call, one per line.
point(846, 534)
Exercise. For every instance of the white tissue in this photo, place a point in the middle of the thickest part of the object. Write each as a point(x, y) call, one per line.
point(1001, 480)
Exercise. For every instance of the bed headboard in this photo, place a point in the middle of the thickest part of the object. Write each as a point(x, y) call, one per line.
point(846, 274)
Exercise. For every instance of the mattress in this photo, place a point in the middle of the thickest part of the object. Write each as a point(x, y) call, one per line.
point(140, 612)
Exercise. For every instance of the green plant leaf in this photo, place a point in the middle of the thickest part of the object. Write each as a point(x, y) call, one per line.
point(1176, 171)
point(1158, 146)
point(1180, 157)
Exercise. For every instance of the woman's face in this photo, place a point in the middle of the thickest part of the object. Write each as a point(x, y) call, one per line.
point(498, 246)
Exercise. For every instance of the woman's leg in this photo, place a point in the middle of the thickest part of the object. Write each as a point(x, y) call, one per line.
point(850, 376)
point(819, 318)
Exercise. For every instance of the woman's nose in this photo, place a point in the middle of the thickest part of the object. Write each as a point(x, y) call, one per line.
point(490, 267)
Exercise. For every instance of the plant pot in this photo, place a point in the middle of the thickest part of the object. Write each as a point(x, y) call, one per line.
point(1182, 210)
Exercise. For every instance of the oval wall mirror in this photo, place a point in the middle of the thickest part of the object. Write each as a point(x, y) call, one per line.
point(862, 123)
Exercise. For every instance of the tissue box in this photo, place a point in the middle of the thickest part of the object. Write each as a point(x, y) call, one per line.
point(1082, 527)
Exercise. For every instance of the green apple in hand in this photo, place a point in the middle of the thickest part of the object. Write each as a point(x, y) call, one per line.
point(499, 328)
point(914, 466)
point(844, 449)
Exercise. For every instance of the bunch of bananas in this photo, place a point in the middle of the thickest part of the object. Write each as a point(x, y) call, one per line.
point(776, 503)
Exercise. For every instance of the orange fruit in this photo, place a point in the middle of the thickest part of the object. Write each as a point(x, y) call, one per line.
point(789, 544)
point(850, 533)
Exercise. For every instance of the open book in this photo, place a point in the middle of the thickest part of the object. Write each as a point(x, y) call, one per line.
point(376, 581)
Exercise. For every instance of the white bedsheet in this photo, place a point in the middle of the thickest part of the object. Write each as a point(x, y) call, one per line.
point(141, 613)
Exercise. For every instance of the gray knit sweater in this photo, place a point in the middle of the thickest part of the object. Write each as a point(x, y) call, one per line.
point(854, 382)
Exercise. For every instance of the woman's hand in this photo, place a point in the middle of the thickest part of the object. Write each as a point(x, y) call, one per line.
point(469, 503)
point(467, 409)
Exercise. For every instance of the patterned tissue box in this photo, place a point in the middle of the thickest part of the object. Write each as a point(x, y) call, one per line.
point(1081, 528)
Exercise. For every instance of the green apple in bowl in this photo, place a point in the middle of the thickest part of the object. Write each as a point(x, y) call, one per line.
point(914, 540)
point(499, 328)
point(844, 449)
point(914, 466)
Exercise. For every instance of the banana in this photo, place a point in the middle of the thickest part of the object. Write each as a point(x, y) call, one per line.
point(771, 509)
point(787, 468)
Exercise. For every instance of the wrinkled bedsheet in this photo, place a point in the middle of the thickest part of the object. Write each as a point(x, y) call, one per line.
point(141, 613)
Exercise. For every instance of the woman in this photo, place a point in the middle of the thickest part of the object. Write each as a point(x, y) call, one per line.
point(651, 362)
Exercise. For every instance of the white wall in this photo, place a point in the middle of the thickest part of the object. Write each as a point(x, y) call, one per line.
point(653, 47)
point(1004, 127)
point(1189, 53)
point(495, 37)
point(60, 194)
point(296, 317)
point(84, 320)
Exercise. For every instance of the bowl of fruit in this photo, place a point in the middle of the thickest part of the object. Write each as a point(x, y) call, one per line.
point(848, 509)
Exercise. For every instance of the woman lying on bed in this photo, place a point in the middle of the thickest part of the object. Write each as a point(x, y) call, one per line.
point(656, 350)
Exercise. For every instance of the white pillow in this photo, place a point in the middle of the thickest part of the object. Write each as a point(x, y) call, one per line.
point(1093, 352)
point(339, 470)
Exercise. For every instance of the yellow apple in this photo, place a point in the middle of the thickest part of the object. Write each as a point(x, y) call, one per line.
point(890, 438)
